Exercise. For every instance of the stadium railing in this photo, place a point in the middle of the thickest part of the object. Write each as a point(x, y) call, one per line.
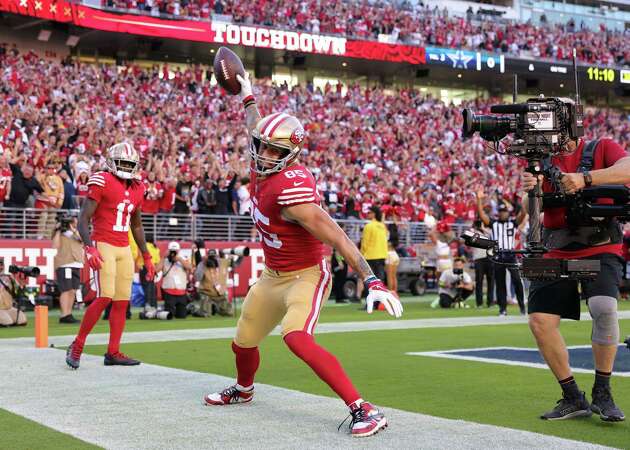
point(23, 223)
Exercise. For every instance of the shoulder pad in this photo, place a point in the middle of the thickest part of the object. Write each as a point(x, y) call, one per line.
point(98, 179)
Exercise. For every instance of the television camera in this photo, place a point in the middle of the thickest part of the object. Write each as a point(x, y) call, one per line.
point(536, 131)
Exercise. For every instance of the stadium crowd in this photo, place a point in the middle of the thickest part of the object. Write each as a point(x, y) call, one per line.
point(401, 150)
point(408, 24)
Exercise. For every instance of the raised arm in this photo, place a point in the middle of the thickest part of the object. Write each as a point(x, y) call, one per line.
point(252, 115)
point(482, 214)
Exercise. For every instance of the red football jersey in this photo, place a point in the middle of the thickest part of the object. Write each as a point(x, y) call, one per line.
point(287, 246)
point(116, 199)
point(606, 154)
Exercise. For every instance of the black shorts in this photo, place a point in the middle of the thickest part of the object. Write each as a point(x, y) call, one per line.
point(562, 298)
point(68, 278)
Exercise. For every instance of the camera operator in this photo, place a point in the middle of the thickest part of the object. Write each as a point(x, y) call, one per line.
point(455, 285)
point(504, 232)
point(175, 271)
point(212, 287)
point(597, 163)
point(67, 264)
point(9, 292)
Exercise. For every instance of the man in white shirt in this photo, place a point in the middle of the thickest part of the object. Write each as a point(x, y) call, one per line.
point(455, 285)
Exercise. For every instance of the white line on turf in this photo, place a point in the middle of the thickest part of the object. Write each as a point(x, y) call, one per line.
point(451, 354)
point(155, 407)
point(339, 327)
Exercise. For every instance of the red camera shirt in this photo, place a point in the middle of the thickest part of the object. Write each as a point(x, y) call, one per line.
point(607, 153)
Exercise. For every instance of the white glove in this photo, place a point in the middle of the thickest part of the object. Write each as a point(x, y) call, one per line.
point(377, 292)
point(246, 85)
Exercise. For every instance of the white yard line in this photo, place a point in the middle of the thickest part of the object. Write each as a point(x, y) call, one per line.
point(339, 327)
point(155, 407)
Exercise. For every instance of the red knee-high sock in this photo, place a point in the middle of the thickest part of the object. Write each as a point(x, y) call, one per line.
point(117, 319)
point(91, 316)
point(247, 362)
point(324, 364)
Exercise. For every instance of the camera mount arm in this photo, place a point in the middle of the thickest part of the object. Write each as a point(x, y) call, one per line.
point(534, 206)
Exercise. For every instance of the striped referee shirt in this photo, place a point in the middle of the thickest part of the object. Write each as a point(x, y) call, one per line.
point(504, 233)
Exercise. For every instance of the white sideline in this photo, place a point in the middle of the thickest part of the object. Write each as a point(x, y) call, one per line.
point(155, 407)
point(338, 327)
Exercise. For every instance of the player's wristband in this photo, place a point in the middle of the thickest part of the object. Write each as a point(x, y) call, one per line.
point(248, 101)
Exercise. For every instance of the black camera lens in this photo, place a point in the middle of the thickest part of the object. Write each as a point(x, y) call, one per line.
point(489, 127)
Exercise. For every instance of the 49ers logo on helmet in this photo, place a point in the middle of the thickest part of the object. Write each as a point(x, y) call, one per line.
point(297, 136)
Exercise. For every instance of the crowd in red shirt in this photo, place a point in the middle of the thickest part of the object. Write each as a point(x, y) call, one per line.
point(413, 25)
point(400, 150)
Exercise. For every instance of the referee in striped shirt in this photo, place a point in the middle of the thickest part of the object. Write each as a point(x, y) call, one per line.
point(504, 231)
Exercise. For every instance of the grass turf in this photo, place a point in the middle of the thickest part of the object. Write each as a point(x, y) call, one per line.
point(495, 394)
point(17, 432)
point(415, 308)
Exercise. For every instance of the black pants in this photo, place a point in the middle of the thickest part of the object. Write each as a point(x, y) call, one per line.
point(446, 301)
point(339, 278)
point(176, 305)
point(483, 268)
point(150, 291)
point(499, 278)
point(562, 298)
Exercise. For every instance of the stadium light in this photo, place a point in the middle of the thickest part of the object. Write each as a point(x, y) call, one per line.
point(72, 40)
point(44, 35)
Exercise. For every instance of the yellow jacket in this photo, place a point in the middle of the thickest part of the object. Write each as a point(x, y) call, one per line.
point(374, 240)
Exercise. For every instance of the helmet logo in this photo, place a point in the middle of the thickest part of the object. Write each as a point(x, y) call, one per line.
point(297, 136)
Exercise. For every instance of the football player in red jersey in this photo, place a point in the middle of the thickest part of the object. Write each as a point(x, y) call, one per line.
point(113, 205)
point(295, 283)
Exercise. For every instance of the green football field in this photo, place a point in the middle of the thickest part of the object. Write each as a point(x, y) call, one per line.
point(377, 361)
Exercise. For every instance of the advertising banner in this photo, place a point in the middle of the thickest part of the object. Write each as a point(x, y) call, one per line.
point(215, 32)
point(41, 254)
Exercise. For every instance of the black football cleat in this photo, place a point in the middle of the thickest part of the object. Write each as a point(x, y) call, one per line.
point(120, 359)
point(568, 408)
point(604, 405)
point(68, 319)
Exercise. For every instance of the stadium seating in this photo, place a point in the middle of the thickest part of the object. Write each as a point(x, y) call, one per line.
point(406, 24)
point(401, 151)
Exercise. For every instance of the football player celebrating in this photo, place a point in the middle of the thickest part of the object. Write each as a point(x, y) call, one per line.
point(113, 204)
point(295, 283)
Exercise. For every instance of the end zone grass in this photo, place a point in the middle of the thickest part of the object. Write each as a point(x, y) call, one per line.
point(415, 308)
point(18, 433)
point(509, 396)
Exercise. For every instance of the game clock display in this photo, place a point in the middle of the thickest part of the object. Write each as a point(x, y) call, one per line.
point(597, 74)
